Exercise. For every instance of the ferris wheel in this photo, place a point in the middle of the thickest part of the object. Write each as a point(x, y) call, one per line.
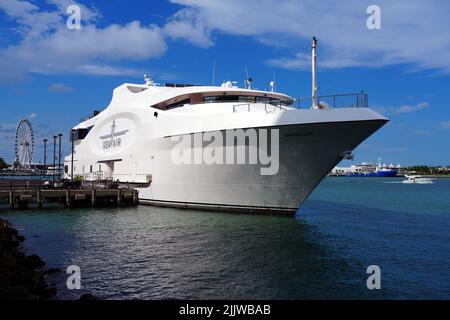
point(24, 144)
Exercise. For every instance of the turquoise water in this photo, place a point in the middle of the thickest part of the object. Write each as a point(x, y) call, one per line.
point(346, 225)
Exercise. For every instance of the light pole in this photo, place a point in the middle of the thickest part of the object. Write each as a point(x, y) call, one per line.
point(60, 155)
point(54, 157)
point(45, 157)
point(72, 138)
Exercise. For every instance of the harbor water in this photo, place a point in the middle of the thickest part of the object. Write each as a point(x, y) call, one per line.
point(346, 225)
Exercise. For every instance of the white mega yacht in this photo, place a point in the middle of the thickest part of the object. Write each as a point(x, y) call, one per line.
point(220, 147)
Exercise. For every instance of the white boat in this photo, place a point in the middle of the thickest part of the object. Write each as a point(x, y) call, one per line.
point(417, 179)
point(268, 155)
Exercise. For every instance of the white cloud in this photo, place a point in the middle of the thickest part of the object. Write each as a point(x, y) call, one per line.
point(422, 132)
point(412, 31)
point(33, 115)
point(48, 47)
point(406, 108)
point(445, 125)
point(187, 25)
point(60, 88)
point(88, 14)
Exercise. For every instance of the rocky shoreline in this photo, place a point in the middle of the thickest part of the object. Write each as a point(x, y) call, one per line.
point(21, 276)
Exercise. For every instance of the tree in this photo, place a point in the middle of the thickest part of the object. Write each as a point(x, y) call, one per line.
point(3, 164)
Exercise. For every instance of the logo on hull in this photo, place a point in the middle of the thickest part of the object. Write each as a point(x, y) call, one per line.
point(114, 139)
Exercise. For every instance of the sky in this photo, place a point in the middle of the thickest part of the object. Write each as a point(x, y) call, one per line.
point(54, 74)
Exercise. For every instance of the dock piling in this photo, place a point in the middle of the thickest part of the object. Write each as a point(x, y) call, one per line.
point(11, 200)
point(93, 196)
point(68, 199)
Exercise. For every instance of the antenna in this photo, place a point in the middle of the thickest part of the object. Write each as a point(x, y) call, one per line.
point(314, 71)
point(248, 80)
point(272, 83)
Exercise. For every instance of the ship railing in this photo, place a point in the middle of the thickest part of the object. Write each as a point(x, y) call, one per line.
point(346, 100)
point(268, 106)
point(96, 176)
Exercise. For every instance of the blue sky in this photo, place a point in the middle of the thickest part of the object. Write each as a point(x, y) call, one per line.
point(54, 76)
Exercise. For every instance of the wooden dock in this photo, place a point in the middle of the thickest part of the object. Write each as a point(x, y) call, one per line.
point(22, 194)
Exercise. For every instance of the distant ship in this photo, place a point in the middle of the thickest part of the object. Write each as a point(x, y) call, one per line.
point(367, 170)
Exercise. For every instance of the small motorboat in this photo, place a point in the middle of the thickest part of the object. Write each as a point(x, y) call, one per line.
point(417, 179)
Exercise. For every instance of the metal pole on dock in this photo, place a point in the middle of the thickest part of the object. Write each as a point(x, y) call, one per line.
point(72, 138)
point(54, 157)
point(59, 156)
point(39, 197)
point(11, 200)
point(314, 73)
point(45, 157)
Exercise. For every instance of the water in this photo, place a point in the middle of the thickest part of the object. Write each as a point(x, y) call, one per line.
point(346, 225)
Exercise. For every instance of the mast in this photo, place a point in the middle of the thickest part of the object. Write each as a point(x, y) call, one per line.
point(314, 71)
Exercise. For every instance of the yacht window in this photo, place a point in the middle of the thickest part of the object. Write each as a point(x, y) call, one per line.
point(210, 99)
point(218, 97)
point(178, 104)
point(229, 98)
point(264, 99)
point(249, 99)
point(80, 134)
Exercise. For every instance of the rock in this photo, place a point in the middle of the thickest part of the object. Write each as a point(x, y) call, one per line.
point(9, 247)
point(34, 262)
point(8, 231)
point(35, 279)
point(49, 293)
point(3, 223)
point(19, 292)
point(7, 262)
point(5, 281)
point(52, 270)
point(88, 296)
point(20, 275)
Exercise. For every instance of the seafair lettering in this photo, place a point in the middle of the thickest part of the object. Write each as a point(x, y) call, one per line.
point(113, 143)
point(113, 139)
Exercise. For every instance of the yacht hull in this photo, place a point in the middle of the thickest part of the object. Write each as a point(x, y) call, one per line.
point(307, 153)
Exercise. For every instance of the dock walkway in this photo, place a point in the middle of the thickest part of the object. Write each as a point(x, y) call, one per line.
point(22, 193)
